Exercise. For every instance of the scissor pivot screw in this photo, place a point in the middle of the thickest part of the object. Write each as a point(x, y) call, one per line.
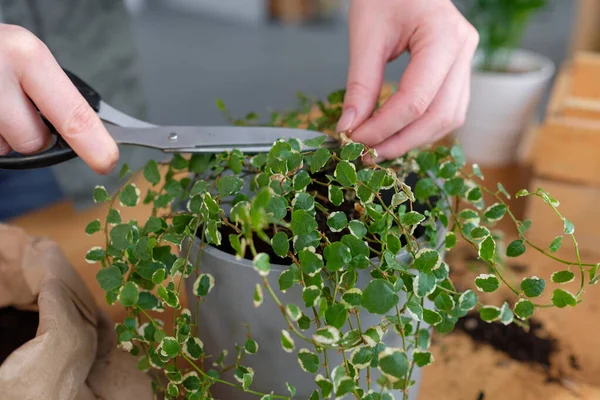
point(173, 137)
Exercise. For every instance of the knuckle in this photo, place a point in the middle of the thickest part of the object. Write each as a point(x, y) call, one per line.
point(81, 120)
point(417, 106)
point(357, 88)
point(21, 43)
point(30, 146)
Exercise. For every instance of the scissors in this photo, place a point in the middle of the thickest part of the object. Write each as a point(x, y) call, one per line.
point(125, 129)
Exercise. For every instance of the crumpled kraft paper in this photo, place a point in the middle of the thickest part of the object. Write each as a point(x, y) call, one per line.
point(74, 354)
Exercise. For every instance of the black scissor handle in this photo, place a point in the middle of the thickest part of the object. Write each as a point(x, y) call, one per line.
point(60, 150)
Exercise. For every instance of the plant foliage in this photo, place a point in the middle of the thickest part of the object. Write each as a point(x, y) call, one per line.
point(328, 218)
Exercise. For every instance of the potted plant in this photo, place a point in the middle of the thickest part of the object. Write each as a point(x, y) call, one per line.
point(507, 83)
point(309, 274)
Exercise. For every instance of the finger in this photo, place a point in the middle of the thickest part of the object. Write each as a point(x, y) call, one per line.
point(62, 104)
point(365, 74)
point(445, 114)
point(430, 63)
point(4, 147)
point(21, 127)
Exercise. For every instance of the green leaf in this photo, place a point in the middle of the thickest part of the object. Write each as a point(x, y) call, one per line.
point(444, 302)
point(352, 297)
point(129, 294)
point(489, 313)
point(480, 233)
point(148, 301)
point(555, 245)
point(431, 317)
point(316, 141)
point(311, 295)
point(129, 195)
point(327, 335)
point(303, 223)
point(310, 262)
point(411, 218)
point(287, 342)
point(422, 358)
point(413, 307)
point(454, 186)
point(487, 249)
point(309, 362)
point(291, 389)
point(169, 347)
point(562, 298)
point(109, 278)
point(158, 276)
point(337, 221)
point(335, 195)
point(361, 357)
point(203, 284)
point(336, 256)
point(569, 228)
point(199, 163)
point(533, 287)
point(351, 151)
point(487, 283)
point(93, 227)
point(280, 244)
point(450, 240)
point(262, 264)
point(564, 276)
point(113, 217)
point(357, 228)
point(124, 171)
point(293, 311)
point(151, 172)
point(345, 173)
point(524, 309)
point(379, 297)
point(229, 185)
point(258, 296)
point(100, 194)
point(336, 315)
point(424, 284)
point(301, 180)
point(506, 314)
point(447, 170)
point(251, 346)
point(325, 385)
point(94, 255)
point(459, 156)
point(319, 159)
point(516, 248)
point(393, 363)
point(495, 212)
point(425, 188)
point(427, 260)
point(467, 300)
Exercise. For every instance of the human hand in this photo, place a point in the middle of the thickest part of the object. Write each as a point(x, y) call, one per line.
point(29, 71)
point(433, 93)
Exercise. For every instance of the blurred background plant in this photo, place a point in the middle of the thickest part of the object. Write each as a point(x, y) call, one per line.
point(501, 25)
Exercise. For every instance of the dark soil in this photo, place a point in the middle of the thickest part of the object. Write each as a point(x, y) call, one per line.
point(531, 347)
point(17, 327)
point(351, 208)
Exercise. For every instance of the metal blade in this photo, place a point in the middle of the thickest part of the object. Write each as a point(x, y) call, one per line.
point(208, 138)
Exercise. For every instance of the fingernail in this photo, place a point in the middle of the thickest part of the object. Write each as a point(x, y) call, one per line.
point(346, 120)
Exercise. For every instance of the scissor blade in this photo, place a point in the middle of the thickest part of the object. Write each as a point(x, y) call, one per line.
point(208, 138)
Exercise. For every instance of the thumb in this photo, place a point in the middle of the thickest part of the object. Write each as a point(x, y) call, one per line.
point(365, 76)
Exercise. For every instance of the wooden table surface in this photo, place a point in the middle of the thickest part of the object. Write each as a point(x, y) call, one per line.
point(460, 372)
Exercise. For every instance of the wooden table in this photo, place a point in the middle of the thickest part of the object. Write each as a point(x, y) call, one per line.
point(460, 372)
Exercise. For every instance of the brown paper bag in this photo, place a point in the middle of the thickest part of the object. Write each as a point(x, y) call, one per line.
point(73, 355)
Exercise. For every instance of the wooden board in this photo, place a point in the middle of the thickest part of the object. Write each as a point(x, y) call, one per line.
point(567, 149)
point(586, 28)
point(585, 76)
point(580, 204)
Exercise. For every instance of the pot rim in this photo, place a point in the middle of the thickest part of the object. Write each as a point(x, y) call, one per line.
point(546, 70)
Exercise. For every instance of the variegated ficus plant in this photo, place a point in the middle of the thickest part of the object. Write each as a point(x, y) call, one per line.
point(333, 218)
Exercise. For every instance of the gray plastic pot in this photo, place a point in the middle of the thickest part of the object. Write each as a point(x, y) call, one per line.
point(229, 306)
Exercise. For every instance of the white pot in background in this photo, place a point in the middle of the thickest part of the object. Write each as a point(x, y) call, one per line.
point(502, 106)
